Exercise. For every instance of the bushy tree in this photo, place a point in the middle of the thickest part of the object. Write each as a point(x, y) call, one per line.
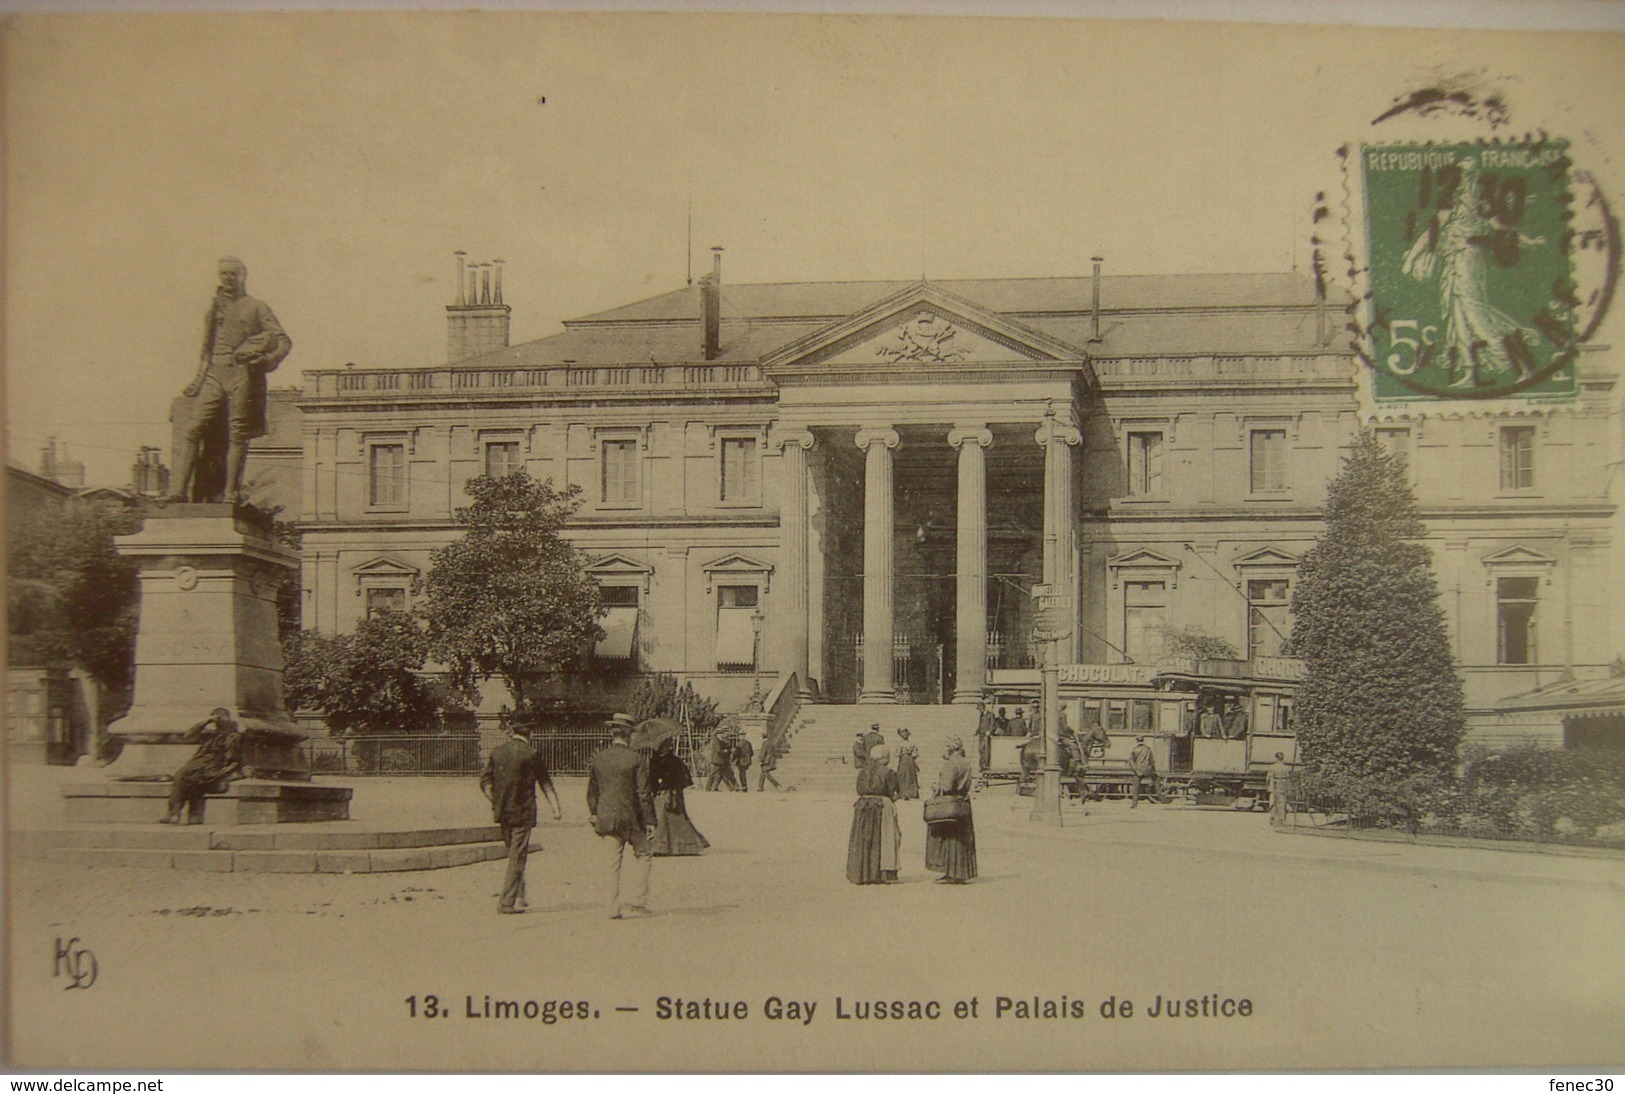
point(1380, 702)
point(659, 696)
point(366, 682)
point(70, 598)
point(510, 598)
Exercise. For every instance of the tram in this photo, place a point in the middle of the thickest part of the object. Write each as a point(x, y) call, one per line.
point(1214, 726)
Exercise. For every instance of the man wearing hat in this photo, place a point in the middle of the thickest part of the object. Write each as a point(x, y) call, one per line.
point(513, 772)
point(860, 751)
point(720, 755)
point(872, 739)
point(217, 761)
point(1142, 765)
point(623, 814)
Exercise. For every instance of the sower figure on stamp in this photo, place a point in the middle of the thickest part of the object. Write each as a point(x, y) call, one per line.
point(513, 773)
point(623, 815)
point(242, 342)
point(217, 761)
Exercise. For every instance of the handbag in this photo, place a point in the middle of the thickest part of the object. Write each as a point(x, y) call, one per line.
point(944, 809)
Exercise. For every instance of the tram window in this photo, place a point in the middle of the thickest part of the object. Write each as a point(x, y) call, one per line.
point(1188, 719)
point(1091, 715)
point(1283, 717)
point(1116, 716)
point(1266, 713)
point(1141, 720)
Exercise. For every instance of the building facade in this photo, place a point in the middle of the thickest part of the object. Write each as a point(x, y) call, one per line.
point(861, 483)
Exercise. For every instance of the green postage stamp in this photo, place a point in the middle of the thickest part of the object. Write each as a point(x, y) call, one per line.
point(1472, 290)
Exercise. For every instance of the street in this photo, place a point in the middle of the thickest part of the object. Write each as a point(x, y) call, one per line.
point(1277, 951)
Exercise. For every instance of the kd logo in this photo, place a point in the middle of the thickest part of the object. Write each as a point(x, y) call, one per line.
point(76, 963)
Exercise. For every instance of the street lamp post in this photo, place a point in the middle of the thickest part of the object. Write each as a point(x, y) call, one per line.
point(757, 619)
point(1054, 624)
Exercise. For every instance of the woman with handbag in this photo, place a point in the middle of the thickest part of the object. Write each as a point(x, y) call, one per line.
point(950, 833)
point(872, 849)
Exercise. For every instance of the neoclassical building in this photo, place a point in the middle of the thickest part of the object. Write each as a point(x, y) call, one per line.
point(862, 482)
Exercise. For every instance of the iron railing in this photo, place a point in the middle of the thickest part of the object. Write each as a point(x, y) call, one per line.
point(423, 755)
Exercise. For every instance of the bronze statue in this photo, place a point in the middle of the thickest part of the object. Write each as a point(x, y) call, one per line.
point(242, 343)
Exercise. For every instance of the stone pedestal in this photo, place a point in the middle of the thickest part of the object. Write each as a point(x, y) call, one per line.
point(207, 638)
point(248, 801)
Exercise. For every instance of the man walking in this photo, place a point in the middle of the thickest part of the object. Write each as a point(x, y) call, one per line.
point(513, 773)
point(242, 342)
point(744, 753)
point(1142, 765)
point(769, 761)
point(984, 736)
point(623, 815)
point(720, 756)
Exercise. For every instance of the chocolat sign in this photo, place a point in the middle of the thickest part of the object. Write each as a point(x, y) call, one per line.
point(1472, 290)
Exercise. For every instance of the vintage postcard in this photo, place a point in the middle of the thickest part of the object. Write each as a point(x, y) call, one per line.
point(739, 542)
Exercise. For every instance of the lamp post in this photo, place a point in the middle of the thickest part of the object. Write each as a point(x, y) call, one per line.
point(757, 619)
point(1054, 624)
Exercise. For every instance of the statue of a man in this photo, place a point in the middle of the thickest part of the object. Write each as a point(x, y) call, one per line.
point(242, 342)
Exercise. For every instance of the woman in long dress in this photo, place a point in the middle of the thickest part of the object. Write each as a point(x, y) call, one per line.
point(674, 834)
point(872, 850)
point(908, 769)
point(951, 847)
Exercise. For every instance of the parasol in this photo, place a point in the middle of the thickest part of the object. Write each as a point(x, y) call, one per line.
point(654, 732)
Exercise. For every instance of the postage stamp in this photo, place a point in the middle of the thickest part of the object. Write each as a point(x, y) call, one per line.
point(1473, 293)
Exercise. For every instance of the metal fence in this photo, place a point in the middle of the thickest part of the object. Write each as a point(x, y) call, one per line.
point(563, 753)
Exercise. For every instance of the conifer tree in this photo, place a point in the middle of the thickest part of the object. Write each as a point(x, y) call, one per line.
point(1381, 702)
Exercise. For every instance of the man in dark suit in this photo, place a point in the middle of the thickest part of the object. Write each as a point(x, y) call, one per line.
point(512, 774)
point(623, 814)
point(744, 753)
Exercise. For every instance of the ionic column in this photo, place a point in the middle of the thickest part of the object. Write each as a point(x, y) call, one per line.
point(878, 520)
point(790, 616)
point(970, 621)
point(1057, 438)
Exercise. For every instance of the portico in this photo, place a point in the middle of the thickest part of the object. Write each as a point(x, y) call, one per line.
point(898, 426)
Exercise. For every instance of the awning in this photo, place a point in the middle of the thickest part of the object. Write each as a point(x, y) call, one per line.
point(620, 631)
point(736, 637)
point(1585, 698)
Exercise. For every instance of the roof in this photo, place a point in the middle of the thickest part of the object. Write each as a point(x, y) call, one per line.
point(1604, 696)
point(1012, 295)
point(1141, 316)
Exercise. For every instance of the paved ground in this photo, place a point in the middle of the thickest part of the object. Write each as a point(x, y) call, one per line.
point(1351, 954)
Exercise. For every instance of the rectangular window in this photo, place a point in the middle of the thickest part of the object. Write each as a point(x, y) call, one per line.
point(385, 600)
point(741, 471)
point(1516, 599)
point(1518, 457)
point(1397, 442)
point(386, 475)
point(1268, 622)
point(1145, 615)
point(619, 596)
point(736, 626)
point(501, 459)
point(1145, 465)
point(1268, 461)
point(620, 472)
point(620, 623)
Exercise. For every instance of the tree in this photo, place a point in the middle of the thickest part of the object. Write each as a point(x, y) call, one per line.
point(510, 598)
point(366, 682)
point(71, 599)
point(658, 696)
point(1380, 702)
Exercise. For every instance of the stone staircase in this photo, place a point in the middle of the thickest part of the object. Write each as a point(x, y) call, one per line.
point(821, 735)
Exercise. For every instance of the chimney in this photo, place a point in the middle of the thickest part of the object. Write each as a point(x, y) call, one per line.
point(1094, 309)
point(711, 306)
point(477, 322)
